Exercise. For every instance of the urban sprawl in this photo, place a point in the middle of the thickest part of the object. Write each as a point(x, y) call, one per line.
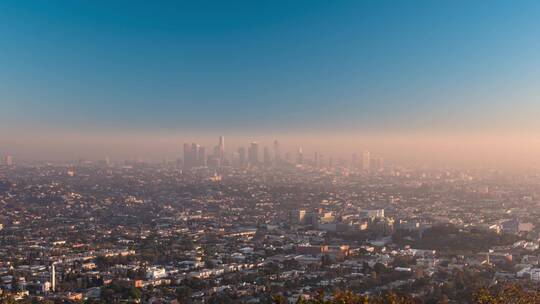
point(244, 227)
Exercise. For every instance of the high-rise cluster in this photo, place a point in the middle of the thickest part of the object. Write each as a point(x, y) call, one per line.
point(254, 155)
point(8, 160)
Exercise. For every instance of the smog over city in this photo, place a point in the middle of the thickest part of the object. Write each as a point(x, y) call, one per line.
point(270, 152)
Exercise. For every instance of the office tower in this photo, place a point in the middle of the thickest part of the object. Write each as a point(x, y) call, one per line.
point(201, 157)
point(187, 156)
point(216, 152)
point(8, 160)
point(242, 156)
point(302, 216)
point(235, 159)
point(377, 164)
point(266, 156)
point(277, 153)
point(307, 217)
point(366, 161)
point(194, 155)
point(221, 150)
point(300, 156)
point(254, 154)
point(179, 163)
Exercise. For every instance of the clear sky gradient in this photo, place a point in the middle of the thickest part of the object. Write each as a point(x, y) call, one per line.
point(270, 66)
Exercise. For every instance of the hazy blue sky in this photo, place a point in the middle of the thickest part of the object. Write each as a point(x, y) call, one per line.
point(269, 65)
point(412, 80)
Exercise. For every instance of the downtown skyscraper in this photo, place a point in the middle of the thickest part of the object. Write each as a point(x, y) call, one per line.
point(253, 153)
point(221, 151)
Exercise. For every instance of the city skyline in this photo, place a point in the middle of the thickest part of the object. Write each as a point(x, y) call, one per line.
point(373, 75)
point(269, 152)
point(473, 151)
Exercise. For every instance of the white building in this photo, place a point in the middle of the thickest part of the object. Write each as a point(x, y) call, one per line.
point(155, 273)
